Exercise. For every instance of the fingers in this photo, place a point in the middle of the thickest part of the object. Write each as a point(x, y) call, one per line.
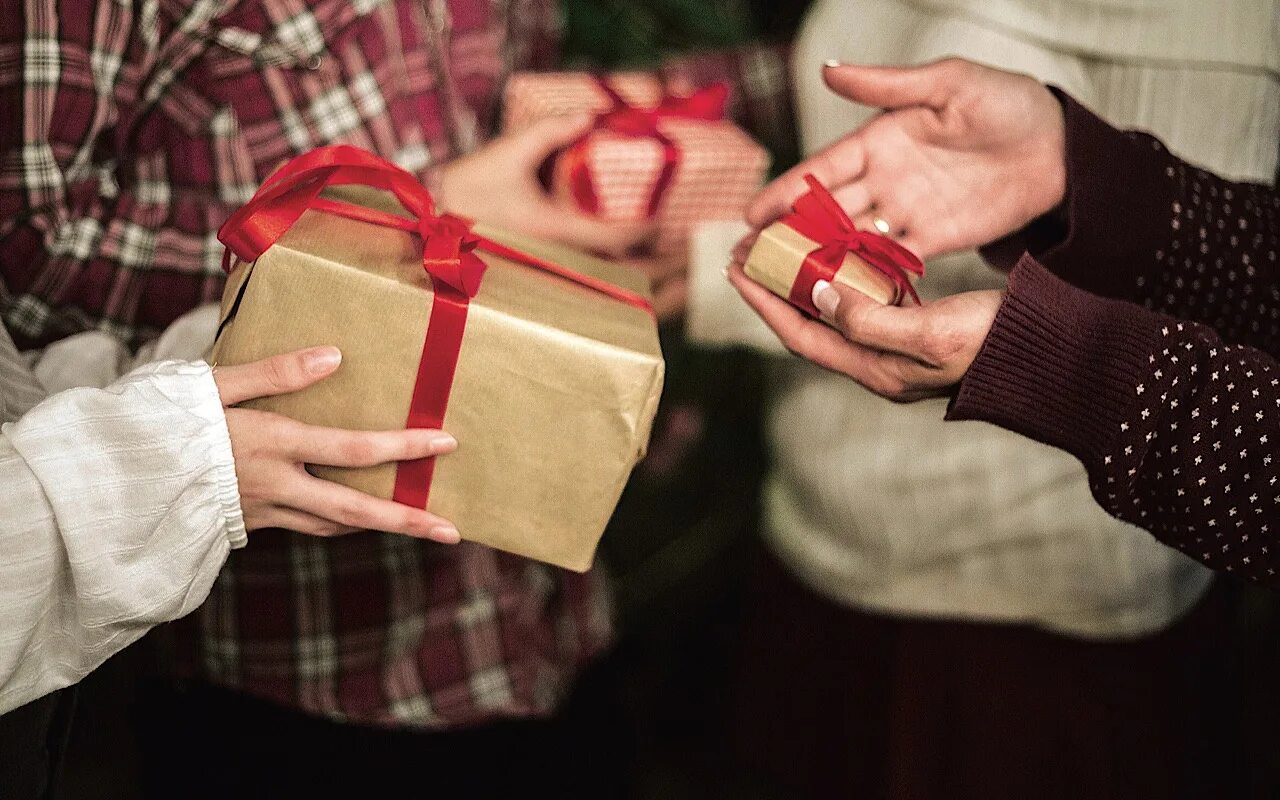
point(743, 248)
point(280, 374)
point(294, 520)
point(335, 447)
point(900, 227)
point(681, 85)
point(349, 508)
point(840, 163)
point(869, 323)
point(799, 334)
point(854, 199)
point(883, 222)
point(930, 85)
point(550, 134)
point(889, 375)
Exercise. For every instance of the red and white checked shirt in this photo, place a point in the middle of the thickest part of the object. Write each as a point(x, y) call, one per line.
point(130, 131)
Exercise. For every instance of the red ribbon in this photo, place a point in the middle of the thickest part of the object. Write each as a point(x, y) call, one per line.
point(816, 215)
point(448, 257)
point(625, 119)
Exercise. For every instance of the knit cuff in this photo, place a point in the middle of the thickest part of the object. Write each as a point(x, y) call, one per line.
point(1059, 365)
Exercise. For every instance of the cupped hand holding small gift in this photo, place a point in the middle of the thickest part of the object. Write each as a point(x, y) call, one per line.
point(901, 353)
point(271, 453)
point(498, 184)
point(963, 155)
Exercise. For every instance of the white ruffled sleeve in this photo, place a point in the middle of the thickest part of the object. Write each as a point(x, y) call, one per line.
point(119, 507)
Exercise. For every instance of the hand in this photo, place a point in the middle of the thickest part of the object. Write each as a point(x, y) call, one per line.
point(498, 184)
point(903, 354)
point(963, 155)
point(271, 453)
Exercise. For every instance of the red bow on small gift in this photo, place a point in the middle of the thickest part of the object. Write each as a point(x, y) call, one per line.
point(816, 215)
point(625, 119)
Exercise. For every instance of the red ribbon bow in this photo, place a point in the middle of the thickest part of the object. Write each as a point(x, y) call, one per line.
point(448, 257)
point(625, 119)
point(295, 187)
point(816, 215)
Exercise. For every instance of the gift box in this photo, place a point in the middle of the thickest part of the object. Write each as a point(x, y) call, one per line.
point(543, 362)
point(817, 241)
point(649, 155)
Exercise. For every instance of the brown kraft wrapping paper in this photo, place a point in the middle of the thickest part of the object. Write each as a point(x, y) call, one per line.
point(780, 251)
point(552, 402)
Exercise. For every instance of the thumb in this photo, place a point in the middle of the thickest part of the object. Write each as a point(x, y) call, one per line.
point(930, 85)
point(867, 322)
point(280, 374)
point(549, 134)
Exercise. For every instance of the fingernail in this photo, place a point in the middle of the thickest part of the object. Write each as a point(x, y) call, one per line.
point(446, 534)
point(725, 272)
point(443, 441)
point(831, 63)
point(826, 298)
point(322, 360)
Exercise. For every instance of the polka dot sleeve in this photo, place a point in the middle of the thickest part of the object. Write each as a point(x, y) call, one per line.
point(1176, 428)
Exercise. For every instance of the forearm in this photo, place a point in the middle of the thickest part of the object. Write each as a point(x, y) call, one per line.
point(120, 506)
point(1176, 429)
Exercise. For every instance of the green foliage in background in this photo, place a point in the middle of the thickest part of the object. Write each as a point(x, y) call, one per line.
point(618, 34)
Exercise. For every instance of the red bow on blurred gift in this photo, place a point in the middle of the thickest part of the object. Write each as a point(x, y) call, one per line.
point(624, 119)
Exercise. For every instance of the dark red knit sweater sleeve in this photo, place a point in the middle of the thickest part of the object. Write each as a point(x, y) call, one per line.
point(1142, 337)
point(1145, 226)
point(1176, 428)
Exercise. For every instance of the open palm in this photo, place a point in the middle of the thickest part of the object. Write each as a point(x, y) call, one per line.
point(963, 155)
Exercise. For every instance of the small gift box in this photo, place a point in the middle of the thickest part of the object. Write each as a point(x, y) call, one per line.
point(818, 242)
point(650, 154)
point(544, 363)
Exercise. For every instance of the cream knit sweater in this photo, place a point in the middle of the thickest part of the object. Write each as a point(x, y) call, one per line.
point(888, 508)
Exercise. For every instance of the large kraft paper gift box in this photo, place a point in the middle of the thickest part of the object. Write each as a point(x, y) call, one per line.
point(818, 241)
point(650, 154)
point(556, 380)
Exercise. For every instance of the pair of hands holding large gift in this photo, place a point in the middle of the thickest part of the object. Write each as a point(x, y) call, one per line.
point(962, 156)
point(497, 183)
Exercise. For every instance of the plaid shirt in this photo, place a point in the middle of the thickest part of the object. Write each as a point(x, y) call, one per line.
point(132, 131)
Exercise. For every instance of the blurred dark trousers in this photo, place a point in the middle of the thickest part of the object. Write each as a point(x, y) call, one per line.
point(33, 741)
point(835, 702)
point(203, 742)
